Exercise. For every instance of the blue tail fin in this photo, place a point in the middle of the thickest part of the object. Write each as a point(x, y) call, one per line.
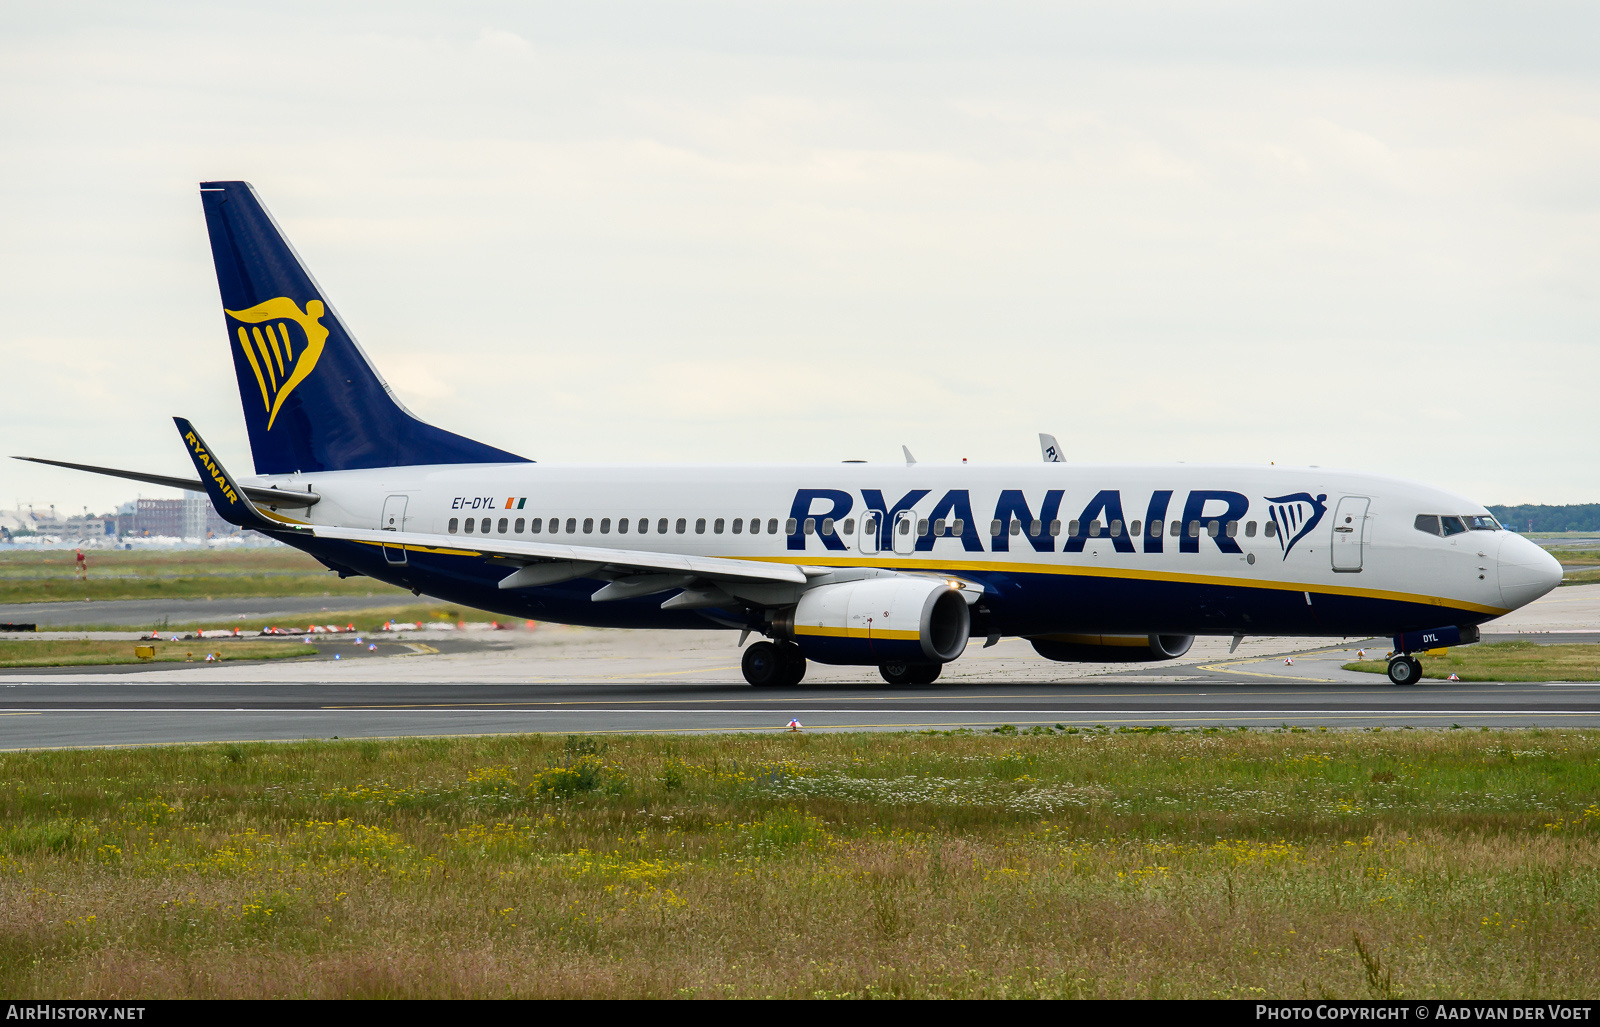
point(312, 401)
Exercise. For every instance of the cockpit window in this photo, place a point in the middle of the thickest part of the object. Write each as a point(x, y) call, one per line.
point(1428, 523)
point(1452, 526)
point(1482, 522)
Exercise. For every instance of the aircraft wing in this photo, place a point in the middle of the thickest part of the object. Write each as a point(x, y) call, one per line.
point(546, 563)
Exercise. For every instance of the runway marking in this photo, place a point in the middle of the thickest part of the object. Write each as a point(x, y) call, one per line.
point(809, 710)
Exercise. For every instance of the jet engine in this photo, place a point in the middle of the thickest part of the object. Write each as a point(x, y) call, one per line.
point(1111, 648)
point(879, 620)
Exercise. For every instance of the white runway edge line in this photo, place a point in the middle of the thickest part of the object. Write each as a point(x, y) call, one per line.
point(1142, 714)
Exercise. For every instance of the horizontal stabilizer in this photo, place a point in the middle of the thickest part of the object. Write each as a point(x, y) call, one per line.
point(270, 497)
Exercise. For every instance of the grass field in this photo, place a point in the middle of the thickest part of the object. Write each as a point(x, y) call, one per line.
point(31, 576)
point(1506, 661)
point(369, 619)
point(83, 652)
point(1212, 863)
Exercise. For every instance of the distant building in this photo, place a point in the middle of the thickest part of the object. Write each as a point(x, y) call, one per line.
point(190, 517)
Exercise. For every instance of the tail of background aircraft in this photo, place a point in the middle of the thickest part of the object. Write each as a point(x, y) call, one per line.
point(312, 401)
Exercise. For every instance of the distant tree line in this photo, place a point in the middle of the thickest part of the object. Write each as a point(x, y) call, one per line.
point(1577, 517)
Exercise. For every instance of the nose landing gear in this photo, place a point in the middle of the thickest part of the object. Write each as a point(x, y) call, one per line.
point(1405, 670)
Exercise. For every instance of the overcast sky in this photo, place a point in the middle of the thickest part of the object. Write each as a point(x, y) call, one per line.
point(1350, 234)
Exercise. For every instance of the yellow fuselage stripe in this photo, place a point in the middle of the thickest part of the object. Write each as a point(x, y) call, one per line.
point(883, 633)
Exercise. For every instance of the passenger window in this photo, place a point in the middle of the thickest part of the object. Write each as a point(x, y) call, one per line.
point(811, 525)
point(994, 529)
point(772, 525)
point(1452, 526)
point(661, 527)
point(849, 525)
point(905, 525)
point(1055, 527)
point(922, 527)
point(1232, 529)
point(504, 524)
point(1155, 529)
point(572, 526)
point(717, 527)
point(605, 526)
point(790, 526)
point(1016, 526)
point(588, 525)
point(1133, 530)
point(622, 525)
point(682, 525)
point(455, 525)
point(1094, 528)
point(699, 525)
point(1177, 529)
point(518, 526)
point(1212, 528)
point(1072, 528)
point(938, 527)
point(1035, 527)
point(467, 527)
point(1270, 529)
point(1249, 529)
point(827, 525)
point(869, 525)
point(1116, 529)
point(535, 525)
point(644, 525)
point(755, 525)
point(738, 525)
point(1194, 529)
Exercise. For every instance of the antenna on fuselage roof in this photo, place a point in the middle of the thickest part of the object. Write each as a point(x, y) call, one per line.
point(1050, 449)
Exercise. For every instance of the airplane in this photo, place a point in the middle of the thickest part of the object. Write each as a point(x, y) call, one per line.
point(867, 564)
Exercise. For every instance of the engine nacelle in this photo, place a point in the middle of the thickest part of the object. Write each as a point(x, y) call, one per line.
point(1111, 648)
point(879, 620)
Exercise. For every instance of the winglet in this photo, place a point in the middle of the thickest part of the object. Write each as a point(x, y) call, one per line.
point(226, 495)
point(1050, 449)
point(909, 458)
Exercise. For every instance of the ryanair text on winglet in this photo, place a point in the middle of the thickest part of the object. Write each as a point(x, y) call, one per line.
point(211, 465)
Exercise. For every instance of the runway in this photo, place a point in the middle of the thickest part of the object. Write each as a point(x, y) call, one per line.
point(575, 680)
point(427, 694)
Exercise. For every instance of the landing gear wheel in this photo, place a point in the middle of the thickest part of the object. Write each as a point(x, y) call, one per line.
point(896, 672)
point(763, 665)
point(791, 665)
point(925, 673)
point(1403, 670)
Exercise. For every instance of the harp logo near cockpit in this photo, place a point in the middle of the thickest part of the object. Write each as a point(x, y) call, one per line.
point(1295, 515)
point(282, 344)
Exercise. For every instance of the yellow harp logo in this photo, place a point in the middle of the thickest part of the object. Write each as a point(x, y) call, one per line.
point(280, 358)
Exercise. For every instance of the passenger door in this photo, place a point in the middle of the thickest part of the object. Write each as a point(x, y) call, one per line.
point(394, 519)
point(1349, 533)
point(905, 532)
point(868, 543)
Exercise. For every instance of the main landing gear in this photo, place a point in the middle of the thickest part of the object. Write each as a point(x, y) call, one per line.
point(1405, 670)
point(773, 665)
point(901, 673)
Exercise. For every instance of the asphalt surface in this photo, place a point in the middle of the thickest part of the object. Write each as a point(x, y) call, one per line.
point(412, 688)
point(572, 680)
point(142, 613)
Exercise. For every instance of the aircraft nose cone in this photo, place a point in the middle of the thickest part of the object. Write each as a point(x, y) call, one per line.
point(1526, 571)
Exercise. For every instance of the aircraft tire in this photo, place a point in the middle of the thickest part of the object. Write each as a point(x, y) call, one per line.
point(925, 673)
point(792, 665)
point(1403, 670)
point(897, 672)
point(763, 665)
